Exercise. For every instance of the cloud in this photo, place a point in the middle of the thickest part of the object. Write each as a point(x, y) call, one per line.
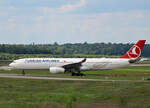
point(102, 27)
point(48, 25)
point(12, 8)
point(71, 7)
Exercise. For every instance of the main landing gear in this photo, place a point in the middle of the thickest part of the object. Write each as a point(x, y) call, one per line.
point(78, 74)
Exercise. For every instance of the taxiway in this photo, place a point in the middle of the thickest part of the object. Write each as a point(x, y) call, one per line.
point(16, 76)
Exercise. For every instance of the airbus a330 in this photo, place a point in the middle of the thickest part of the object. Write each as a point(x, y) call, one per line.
point(76, 65)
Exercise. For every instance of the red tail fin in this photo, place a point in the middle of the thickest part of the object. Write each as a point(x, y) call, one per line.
point(135, 51)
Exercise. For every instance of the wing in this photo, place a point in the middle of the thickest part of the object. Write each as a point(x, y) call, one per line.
point(74, 67)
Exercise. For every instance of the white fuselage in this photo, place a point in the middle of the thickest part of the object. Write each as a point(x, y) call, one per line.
point(90, 64)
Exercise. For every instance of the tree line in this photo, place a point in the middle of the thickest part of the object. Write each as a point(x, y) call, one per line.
point(109, 49)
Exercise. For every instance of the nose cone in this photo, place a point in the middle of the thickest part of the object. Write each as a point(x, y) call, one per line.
point(12, 65)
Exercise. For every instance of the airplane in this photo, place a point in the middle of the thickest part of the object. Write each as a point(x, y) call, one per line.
point(76, 65)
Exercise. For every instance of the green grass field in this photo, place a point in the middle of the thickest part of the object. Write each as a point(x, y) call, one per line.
point(27, 93)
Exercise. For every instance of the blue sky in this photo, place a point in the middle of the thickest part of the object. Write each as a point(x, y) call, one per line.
point(74, 21)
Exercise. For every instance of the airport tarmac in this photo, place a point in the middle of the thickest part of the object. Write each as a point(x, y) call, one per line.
point(5, 68)
point(140, 64)
point(16, 76)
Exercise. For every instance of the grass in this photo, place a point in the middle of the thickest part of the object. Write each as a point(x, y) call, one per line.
point(16, 93)
point(27, 93)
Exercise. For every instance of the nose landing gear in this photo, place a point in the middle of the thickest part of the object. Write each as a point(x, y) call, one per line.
point(23, 73)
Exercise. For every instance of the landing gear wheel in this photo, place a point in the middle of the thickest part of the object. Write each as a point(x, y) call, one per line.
point(78, 74)
point(23, 73)
point(81, 74)
point(74, 74)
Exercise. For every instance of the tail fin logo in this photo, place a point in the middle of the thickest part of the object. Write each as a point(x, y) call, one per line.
point(135, 52)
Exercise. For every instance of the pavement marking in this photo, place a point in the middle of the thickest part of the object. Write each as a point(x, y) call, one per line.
point(64, 79)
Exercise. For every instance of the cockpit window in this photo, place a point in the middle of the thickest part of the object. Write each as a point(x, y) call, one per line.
point(14, 62)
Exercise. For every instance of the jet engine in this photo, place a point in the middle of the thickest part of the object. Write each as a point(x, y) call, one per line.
point(55, 70)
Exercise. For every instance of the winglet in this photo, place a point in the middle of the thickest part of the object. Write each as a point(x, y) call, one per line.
point(135, 51)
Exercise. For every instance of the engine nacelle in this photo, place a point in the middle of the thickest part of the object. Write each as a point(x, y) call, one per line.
point(55, 70)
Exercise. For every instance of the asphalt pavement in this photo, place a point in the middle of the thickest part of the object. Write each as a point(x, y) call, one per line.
point(16, 76)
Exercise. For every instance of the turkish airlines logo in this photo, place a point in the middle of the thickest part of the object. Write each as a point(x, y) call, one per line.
point(135, 52)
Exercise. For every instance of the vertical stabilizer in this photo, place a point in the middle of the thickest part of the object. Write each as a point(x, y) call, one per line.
point(135, 51)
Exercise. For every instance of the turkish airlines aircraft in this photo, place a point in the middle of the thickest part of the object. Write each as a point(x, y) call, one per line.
point(75, 65)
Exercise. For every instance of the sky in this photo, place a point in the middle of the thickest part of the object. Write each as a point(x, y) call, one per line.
point(74, 21)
